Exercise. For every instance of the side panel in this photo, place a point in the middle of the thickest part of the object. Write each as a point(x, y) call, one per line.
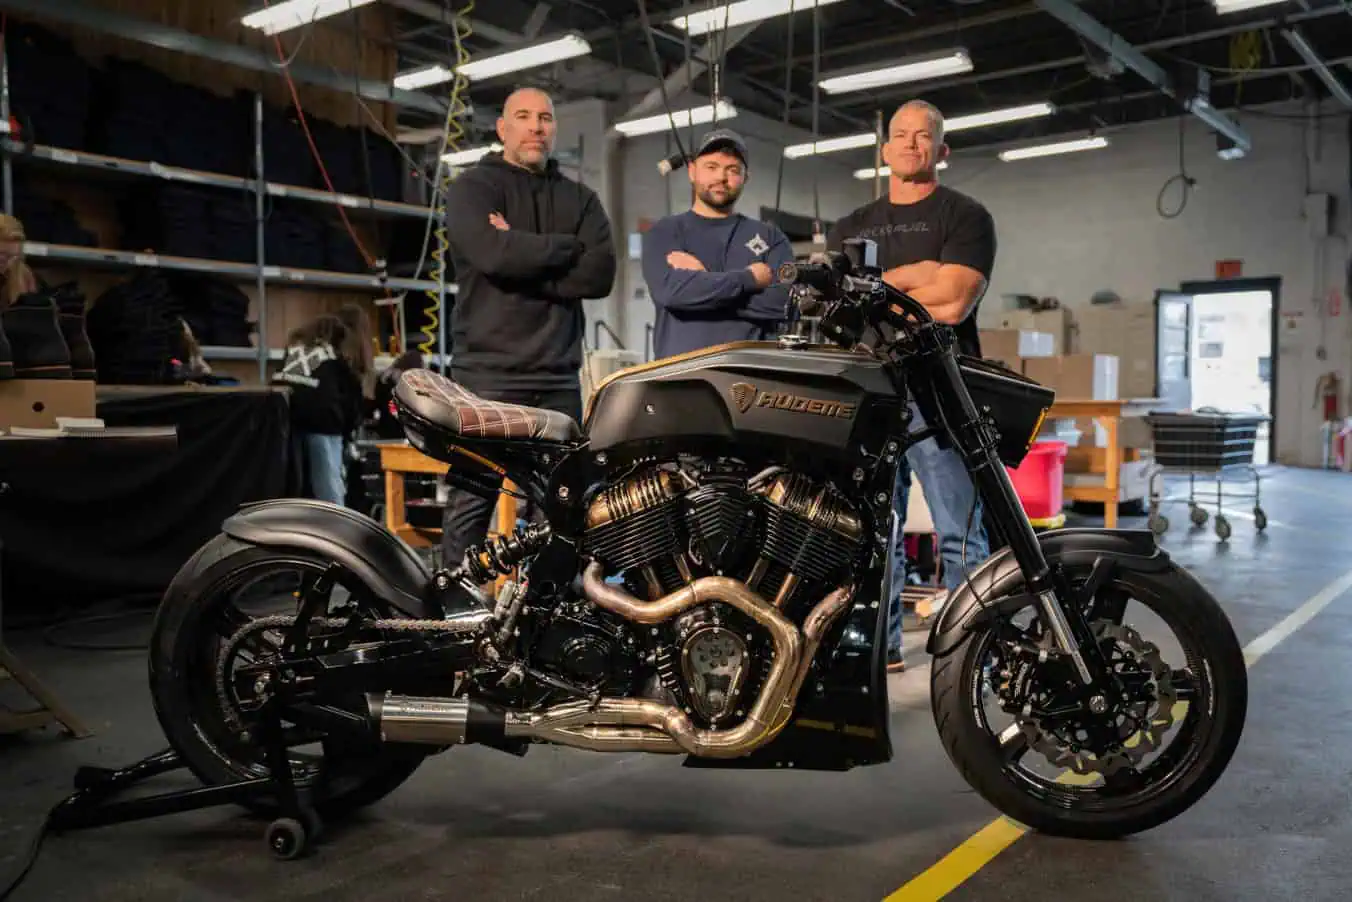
point(371, 552)
point(824, 402)
point(1000, 576)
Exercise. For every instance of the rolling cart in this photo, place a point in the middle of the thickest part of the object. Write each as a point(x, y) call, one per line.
point(1207, 446)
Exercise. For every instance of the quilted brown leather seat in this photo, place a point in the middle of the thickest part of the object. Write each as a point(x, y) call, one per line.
point(457, 409)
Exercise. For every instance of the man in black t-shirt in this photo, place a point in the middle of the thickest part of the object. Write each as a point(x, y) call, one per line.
point(937, 245)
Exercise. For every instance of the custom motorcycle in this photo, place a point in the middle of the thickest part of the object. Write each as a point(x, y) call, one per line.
point(705, 576)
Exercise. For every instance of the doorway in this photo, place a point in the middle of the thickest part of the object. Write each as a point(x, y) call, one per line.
point(1216, 348)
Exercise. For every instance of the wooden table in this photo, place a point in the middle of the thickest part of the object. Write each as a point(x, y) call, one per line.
point(1108, 414)
point(398, 459)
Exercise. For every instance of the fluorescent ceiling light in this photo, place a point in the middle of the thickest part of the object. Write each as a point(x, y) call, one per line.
point(953, 62)
point(885, 171)
point(956, 124)
point(680, 118)
point(830, 145)
point(1046, 150)
point(422, 78)
point(291, 14)
point(1234, 6)
point(472, 155)
point(998, 117)
point(566, 47)
point(730, 15)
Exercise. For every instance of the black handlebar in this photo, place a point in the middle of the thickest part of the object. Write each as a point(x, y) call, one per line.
point(838, 281)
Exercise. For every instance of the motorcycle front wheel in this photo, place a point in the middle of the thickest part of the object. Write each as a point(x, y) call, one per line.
point(211, 620)
point(1063, 771)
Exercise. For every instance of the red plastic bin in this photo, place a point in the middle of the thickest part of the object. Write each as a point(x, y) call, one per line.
point(1039, 479)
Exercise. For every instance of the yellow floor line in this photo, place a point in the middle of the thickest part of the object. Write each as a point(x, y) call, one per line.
point(962, 863)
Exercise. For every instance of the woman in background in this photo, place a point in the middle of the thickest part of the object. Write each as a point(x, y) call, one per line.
point(326, 401)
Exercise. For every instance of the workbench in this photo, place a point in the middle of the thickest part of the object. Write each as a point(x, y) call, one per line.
point(399, 459)
point(1109, 415)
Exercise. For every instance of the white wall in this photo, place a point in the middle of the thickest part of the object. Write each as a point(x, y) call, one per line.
point(1075, 224)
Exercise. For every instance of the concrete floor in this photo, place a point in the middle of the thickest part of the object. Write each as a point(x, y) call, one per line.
point(561, 825)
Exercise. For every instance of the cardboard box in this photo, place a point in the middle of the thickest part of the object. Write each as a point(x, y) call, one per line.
point(1058, 323)
point(1008, 345)
point(1133, 480)
point(1132, 432)
point(1128, 331)
point(36, 403)
point(1076, 377)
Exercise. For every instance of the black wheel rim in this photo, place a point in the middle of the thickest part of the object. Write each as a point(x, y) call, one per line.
point(1132, 788)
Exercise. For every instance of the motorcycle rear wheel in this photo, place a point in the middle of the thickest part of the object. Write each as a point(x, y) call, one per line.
point(186, 630)
point(1215, 718)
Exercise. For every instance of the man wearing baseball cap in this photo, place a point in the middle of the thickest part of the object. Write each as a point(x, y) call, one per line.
point(710, 270)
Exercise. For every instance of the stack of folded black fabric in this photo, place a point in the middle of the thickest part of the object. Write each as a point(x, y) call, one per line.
point(135, 107)
point(342, 157)
point(286, 154)
point(293, 238)
point(387, 167)
point(233, 228)
point(134, 330)
point(210, 133)
point(50, 87)
point(341, 252)
point(48, 220)
point(168, 219)
point(215, 308)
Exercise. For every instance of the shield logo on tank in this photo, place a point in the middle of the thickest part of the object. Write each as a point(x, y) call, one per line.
point(742, 395)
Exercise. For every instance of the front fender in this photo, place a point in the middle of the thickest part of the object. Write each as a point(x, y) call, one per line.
point(366, 548)
point(1000, 577)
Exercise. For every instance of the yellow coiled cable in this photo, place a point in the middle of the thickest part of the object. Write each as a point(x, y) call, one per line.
point(456, 120)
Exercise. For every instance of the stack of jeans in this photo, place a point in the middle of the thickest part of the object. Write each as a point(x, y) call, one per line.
point(134, 330)
point(234, 228)
point(169, 219)
point(293, 238)
point(211, 133)
point(215, 308)
point(286, 154)
point(131, 120)
point(50, 86)
point(46, 219)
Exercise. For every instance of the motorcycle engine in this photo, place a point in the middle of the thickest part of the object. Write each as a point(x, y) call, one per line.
point(789, 537)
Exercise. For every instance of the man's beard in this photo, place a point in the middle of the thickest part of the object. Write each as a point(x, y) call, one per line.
point(707, 196)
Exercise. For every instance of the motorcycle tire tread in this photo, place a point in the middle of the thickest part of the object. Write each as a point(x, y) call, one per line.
point(166, 682)
point(973, 751)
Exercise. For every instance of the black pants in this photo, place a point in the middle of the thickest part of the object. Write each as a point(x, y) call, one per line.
point(467, 516)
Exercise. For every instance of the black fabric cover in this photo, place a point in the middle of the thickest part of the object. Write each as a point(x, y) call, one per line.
point(85, 520)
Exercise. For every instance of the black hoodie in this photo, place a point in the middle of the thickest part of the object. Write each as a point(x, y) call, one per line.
point(518, 320)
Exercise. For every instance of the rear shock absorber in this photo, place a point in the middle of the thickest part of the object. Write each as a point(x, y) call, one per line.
point(493, 558)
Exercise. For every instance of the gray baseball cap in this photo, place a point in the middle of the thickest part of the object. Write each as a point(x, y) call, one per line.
point(722, 139)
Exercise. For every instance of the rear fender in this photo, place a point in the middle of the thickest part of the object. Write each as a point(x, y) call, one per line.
point(366, 548)
point(997, 587)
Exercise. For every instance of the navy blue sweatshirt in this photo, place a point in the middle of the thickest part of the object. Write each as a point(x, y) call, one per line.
point(518, 320)
point(721, 304)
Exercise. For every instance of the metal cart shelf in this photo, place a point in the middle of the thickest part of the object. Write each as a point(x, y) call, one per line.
point(1211, 447)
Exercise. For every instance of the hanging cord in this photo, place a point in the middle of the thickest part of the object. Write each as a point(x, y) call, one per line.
point(816, 112)
point(1182, 177)
point(456, 115)
point(788, 107)
point(657, 71)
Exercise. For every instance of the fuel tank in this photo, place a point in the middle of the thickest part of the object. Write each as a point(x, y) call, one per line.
point(818, 398)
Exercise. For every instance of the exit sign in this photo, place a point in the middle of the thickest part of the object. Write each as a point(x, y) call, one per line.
point(1229, 269)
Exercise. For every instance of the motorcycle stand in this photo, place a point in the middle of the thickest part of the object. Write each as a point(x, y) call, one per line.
point(290, 835)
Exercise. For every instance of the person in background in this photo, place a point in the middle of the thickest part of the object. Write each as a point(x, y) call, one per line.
point(528, 245)
point(937, 245)
point(711, 270)
point(326, 402)
point(386, 426)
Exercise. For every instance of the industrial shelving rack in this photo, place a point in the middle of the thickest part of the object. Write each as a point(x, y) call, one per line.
point(260, 273)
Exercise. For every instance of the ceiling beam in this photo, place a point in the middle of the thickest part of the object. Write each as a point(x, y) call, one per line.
point(445, 15)
point(1110, 42)
point(1298, 43)
point(683, 78)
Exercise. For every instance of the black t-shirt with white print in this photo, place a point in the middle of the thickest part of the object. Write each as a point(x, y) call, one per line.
point(947, 226)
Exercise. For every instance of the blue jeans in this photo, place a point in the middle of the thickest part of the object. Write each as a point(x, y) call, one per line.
point(950, 494)
point(324, 462)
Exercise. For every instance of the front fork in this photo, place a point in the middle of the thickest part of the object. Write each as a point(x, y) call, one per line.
point(976, 442)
